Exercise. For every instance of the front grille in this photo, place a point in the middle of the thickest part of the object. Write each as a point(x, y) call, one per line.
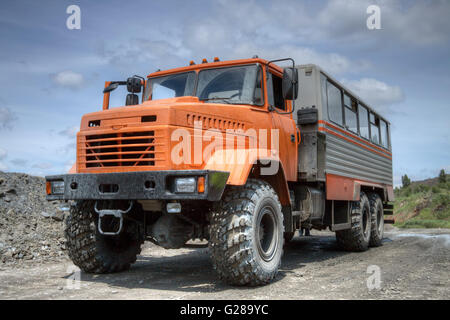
point(127, 149)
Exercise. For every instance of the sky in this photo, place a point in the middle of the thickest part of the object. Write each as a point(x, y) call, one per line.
point(51, 75)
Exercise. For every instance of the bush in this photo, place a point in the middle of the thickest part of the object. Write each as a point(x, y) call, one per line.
point(442, 176)
point(421, 188)
point(406, 192)
point(435, 189)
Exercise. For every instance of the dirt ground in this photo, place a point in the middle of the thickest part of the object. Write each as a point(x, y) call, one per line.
point(413, 264)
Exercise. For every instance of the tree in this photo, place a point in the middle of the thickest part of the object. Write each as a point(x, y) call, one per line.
point(405, 181)
point(442, 176)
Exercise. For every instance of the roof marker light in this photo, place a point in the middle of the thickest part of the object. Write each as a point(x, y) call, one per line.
point(216, 59)
point(191, 63)
point(204, 60)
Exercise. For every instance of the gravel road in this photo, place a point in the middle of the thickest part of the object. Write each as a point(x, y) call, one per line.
point(413, 264)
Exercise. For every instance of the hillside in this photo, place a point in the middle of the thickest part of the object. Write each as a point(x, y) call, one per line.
point(423, 204)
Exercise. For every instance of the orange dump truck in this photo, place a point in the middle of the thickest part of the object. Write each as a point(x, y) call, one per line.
point(239, 153)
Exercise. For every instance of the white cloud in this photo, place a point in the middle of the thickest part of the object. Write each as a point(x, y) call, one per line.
point(43, 165)
point(7, 118)
point(68, 79)
point(3, 154)
point(375, 92)
point(411, 23)
point(70, 132)
point(3, 167)
point(19, 162)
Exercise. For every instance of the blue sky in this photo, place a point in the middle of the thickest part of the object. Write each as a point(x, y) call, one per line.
point(52, 75)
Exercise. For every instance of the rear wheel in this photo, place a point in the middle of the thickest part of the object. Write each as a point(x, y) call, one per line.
point(96, 253)
point(377, 216)
point(246, 234)
point(358, 236)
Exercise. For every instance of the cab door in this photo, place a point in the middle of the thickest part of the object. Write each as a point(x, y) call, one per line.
point(285, 124)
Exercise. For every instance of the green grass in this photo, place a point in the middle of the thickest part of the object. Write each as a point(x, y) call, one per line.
point(422, 206)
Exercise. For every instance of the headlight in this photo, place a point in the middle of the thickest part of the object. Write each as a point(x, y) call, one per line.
point(185, 185)
point(57, 187)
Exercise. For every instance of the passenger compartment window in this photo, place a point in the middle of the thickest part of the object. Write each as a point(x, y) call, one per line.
point(334, 96)
point(351, 121)
point(384, 134)
point(363, 121)
point(374, 128)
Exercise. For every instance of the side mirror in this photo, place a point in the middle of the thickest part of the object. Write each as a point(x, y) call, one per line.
point(111, 87)
point(132, 99)
point(290, 83)
point(134, 85)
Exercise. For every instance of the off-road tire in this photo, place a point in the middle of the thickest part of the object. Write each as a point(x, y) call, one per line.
point(288, 236)
point(237, 253)
point(357, 238)
point(377, 213)
point(93, 252)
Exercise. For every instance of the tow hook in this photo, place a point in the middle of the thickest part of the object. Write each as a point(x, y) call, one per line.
point(117, 213)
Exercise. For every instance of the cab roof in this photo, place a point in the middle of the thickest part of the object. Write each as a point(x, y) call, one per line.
point(214, 64)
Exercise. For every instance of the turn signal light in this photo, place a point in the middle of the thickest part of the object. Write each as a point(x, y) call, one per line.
point(201, 184)
point(48, 187)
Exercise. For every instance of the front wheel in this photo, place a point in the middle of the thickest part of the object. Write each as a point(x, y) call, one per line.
point(246, 234)
point(93, 252)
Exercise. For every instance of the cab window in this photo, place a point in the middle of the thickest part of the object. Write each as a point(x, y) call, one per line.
point(275, 91)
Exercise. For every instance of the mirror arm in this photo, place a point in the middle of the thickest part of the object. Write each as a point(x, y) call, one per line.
point(293, 82)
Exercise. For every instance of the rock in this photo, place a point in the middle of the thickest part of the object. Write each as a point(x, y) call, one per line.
point(11, 191)
point(26, 220)
point(58, 216)
point(8, 254)
point(46, 214)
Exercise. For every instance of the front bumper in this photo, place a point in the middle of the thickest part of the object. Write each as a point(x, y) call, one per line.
point(142, 185)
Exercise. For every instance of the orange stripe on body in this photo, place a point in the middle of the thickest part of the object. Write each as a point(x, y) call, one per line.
point(354, 142)
point(354, 136)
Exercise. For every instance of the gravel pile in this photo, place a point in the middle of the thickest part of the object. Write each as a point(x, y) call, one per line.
point(31, 228)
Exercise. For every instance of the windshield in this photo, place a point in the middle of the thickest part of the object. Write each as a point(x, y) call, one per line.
point(171, 86)
point(233, 85)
